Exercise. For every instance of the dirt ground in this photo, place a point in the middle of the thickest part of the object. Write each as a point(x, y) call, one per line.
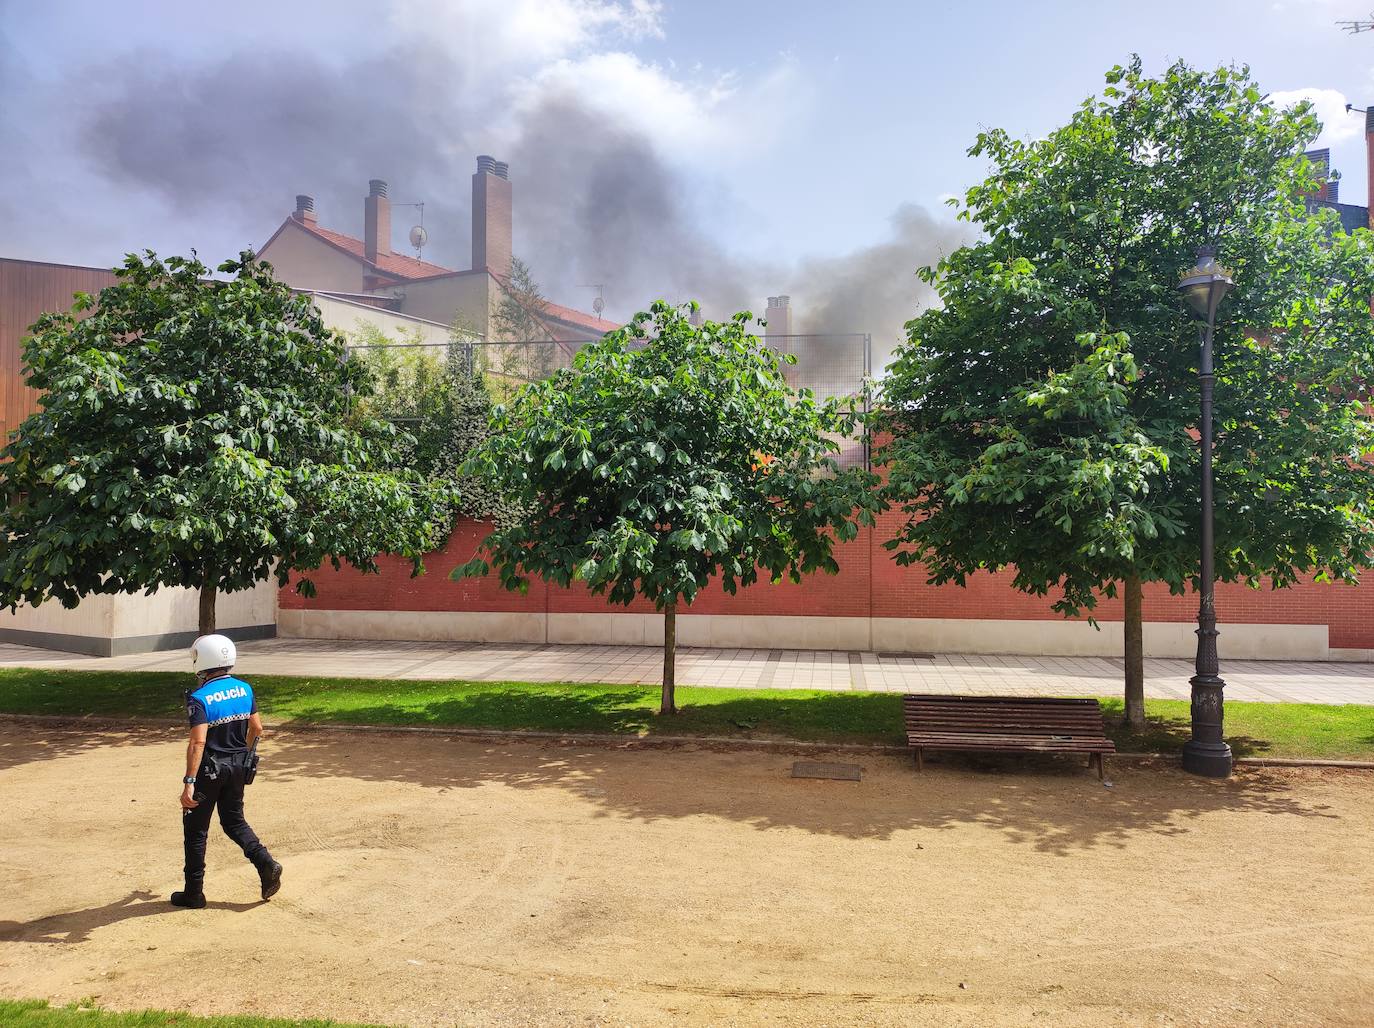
point(435, 881)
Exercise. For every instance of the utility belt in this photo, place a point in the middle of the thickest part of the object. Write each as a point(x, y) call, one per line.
point(213, 766)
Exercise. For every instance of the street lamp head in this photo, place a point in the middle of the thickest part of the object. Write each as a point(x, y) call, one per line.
point(1206, 284)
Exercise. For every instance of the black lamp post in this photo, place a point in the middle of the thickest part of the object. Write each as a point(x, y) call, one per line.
point(1206, 753)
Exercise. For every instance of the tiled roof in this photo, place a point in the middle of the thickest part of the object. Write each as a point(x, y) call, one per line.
point(575, 317)
point(393, 265)
point(409, 269)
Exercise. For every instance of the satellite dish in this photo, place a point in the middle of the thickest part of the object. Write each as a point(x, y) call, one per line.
point(598, 305)
point(418, 237)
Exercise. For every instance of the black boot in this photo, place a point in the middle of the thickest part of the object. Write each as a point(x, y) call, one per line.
point(270, 873)
point(187, 898)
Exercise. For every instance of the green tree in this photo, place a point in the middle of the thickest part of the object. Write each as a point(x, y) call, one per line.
point(670, 455)
point(439, 402)
point(1044, 416)
point(198, 432)
point(527, 350)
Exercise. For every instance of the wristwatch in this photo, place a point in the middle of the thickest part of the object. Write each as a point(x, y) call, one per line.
point(188, 780)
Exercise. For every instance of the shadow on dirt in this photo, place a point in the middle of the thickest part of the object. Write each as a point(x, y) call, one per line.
point(77, 925)
point(23, 742)
point(1053, 804)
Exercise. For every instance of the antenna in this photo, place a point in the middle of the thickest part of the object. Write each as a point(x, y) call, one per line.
point(418, 236)
point(598, 304)
point(1355, 27)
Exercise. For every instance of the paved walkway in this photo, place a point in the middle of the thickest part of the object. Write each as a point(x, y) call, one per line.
point(1290, 681)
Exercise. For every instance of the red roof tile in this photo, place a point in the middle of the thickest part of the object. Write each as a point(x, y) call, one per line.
point(394, 265)
point(590, 321)
point(404, 268)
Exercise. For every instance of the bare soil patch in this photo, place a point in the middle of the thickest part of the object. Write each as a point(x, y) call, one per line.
point(432, 881)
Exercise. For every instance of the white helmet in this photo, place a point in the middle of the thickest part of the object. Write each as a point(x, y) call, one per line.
point(213, 651)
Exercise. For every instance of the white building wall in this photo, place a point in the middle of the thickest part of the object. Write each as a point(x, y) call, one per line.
point(306, 262)
point(351, 317)
point(113, 625)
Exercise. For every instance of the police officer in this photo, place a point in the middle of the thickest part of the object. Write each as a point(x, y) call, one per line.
point(224, 725)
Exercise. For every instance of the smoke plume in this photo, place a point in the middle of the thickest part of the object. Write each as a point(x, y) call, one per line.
point(232, 140)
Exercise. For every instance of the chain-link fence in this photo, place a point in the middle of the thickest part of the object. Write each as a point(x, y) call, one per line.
point(829, 365)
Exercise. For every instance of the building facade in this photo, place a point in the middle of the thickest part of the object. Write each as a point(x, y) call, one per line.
point(308, 256)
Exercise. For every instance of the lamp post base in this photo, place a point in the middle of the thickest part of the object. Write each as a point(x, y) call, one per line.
point(1209, 759)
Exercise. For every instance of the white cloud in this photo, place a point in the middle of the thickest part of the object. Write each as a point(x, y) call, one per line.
point(1329, 106)
point(691, 116)
point(505, 35)
point(511, 57)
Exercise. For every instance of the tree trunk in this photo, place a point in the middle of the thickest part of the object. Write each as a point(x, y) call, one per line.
point(669, 705)
point(208, 588)
point(1135, 657)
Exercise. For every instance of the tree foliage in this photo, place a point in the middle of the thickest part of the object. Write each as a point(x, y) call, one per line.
point(438, 400)
point(198, 432)
point(1044, 416)
point(669, 456)
point(526, 350)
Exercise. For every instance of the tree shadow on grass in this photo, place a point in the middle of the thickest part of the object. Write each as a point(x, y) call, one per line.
point(77, 925)
point(832, 717)
point(1168, 734)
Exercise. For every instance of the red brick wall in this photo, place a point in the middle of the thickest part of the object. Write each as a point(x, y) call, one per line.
point(869, 584)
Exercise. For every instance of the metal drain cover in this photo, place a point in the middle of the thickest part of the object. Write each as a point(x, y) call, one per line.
point(820, 769)
point(886, 655)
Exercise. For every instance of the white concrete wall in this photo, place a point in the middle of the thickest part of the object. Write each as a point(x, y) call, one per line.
point(178, 610)
point(1080, 639)
point(425, 625)
point(94, 616)
point(129, 623)
point(902, 635)
point(350, 317)
point(439, 299)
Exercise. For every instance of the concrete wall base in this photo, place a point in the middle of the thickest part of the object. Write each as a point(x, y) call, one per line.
point(901, 635)
point(99, 646)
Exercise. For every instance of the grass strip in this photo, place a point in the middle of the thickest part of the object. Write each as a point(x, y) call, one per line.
point(1295, 730)
point(26, 1013)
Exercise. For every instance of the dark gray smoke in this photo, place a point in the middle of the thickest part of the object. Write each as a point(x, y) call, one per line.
point(595, 203)
point(243, 136)
point(875, 289)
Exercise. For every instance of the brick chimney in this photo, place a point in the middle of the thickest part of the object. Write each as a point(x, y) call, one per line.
point(376, 221)
point(305, 209)
point(1369, 161)
point(492, 221)
point(1321, 168)
point(779, 316)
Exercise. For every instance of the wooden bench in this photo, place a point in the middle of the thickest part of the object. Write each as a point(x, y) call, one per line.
point(1006, 724)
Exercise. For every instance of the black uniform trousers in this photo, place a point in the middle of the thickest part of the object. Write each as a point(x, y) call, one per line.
point(225, 794)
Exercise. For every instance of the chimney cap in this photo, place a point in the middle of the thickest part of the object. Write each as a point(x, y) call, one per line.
point(489, 165)
point(376, 187)
point(304, 203)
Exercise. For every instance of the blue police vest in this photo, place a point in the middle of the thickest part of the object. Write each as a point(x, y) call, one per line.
point(225, 699)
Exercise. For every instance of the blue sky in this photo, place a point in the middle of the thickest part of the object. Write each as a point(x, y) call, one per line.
point(759, 147)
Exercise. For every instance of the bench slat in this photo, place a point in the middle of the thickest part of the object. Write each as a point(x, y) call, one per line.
point(1006, 724)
